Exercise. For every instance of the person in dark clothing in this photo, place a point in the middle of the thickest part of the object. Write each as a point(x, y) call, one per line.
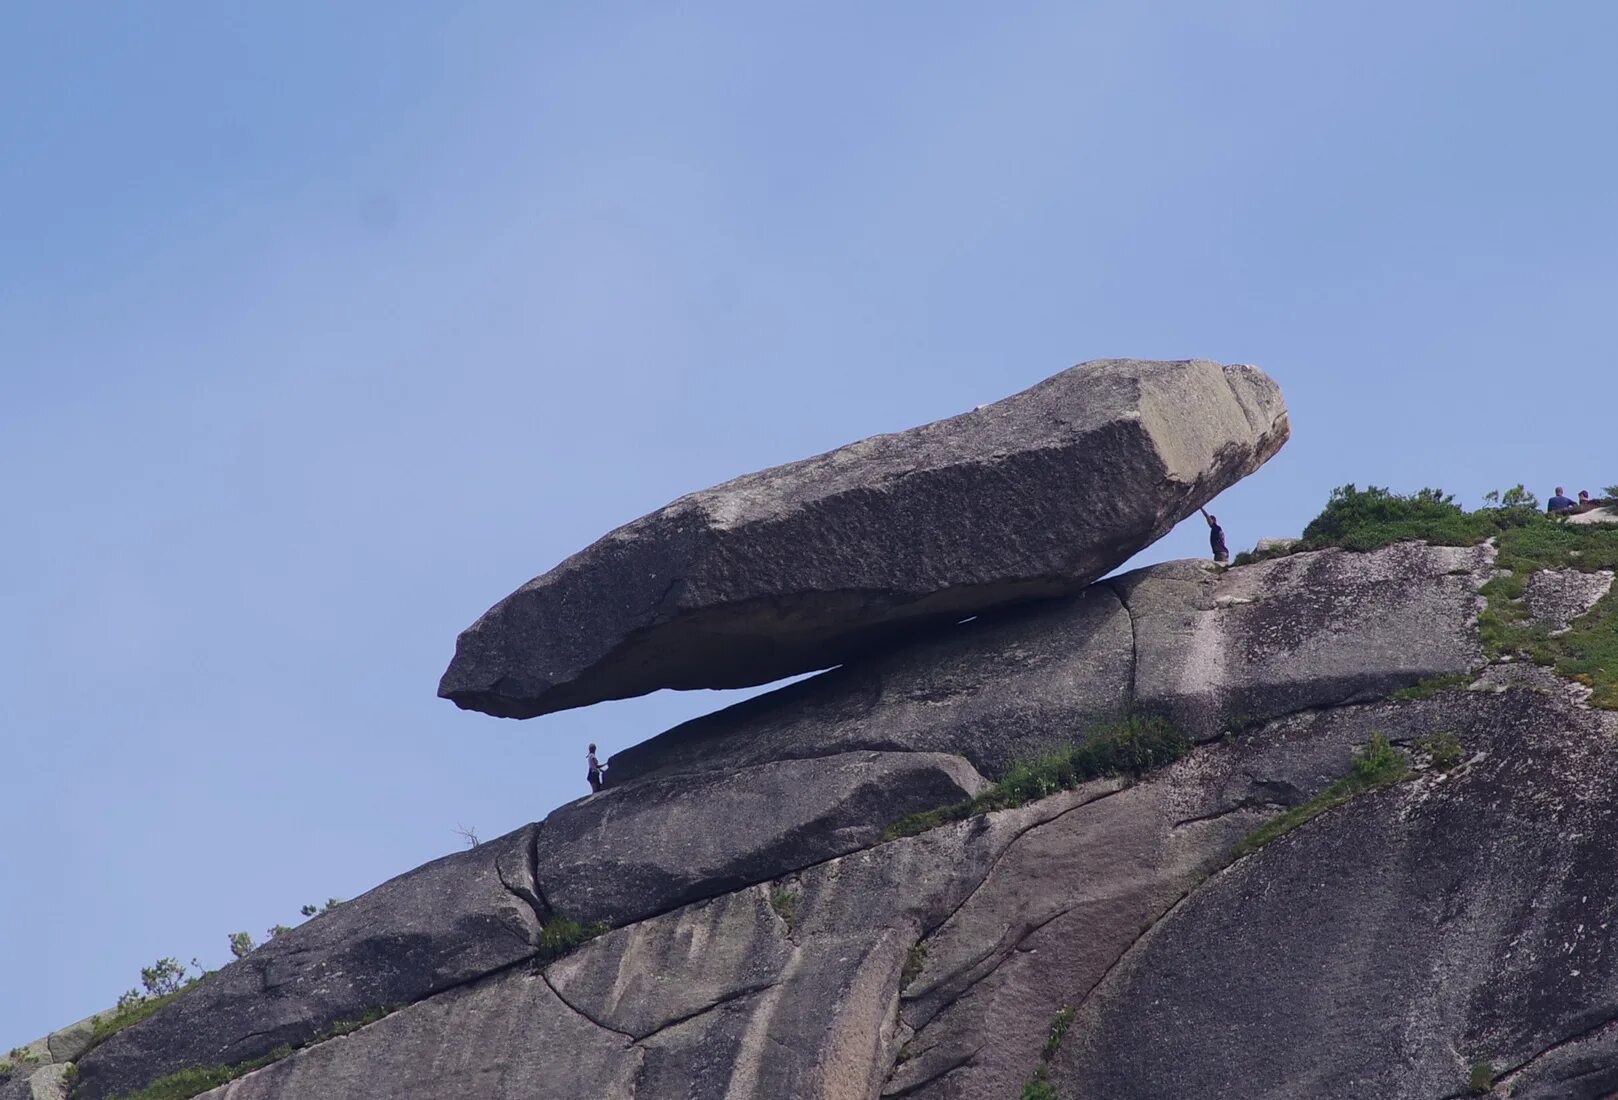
point(1216, 538)
point(595, 772)
point(1559, 503)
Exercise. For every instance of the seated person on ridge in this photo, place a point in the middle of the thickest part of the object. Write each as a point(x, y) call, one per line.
point(1559, 503)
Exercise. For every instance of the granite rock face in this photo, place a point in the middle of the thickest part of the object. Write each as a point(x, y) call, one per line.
point(806, 565)
point(626, 854)
point(1220, 650)
point(1391, 945)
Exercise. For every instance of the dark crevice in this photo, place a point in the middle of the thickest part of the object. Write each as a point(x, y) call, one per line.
point(1134, 640)
point(737, 995)
point(527, 892)
point(993, 967)
point(1505, 1075)
point(583, 1015)
point(939, 1074)
point(1225, 811)
point(989, 871)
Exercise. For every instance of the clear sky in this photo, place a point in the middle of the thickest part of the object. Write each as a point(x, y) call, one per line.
point(322, 327)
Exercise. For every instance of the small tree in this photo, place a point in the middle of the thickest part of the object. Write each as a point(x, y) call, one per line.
point(241, 944)
point(163, 977)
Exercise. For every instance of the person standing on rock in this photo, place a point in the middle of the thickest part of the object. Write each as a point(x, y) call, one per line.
point(595, 771)
point(1216, 538)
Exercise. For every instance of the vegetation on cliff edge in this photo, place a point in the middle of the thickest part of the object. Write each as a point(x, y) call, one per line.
point(1527, 541)
point(1130, 747)
point(1375, 766)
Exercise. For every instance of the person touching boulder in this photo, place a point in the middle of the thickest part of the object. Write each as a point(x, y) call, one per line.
point(595, 770)
point(1216, 538)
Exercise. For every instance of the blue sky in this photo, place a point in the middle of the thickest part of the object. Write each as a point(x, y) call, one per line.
point(323, 327)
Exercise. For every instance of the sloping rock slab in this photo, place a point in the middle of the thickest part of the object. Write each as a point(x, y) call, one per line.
point(1216, 650)
point(1555, 597)
point(1070, 897)
point(439, 926)
point(1002, 687)
point(725, 998)
point(504, 1038)
point(627, 854)
point(802, 566)
point(1390, 945)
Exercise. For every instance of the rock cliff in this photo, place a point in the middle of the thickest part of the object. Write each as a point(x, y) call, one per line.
point(1309, 827)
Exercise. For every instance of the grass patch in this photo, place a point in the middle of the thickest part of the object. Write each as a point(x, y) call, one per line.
point(1482, 1077)
point(915, 960)
point(105, 1027)
point(1527, 541)
point(1375, 766)
point(1038, 1086)
point(1442, 749)
point(187, 1083)
point(1130, 747)
point(785, 903)
point(560, 935)
point(1433, 685)
point(1053, 1041)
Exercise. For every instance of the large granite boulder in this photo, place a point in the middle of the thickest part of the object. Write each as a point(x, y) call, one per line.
point(437, 927)
point(805, 565)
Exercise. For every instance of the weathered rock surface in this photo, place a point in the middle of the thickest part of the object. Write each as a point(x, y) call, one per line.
point(1069, 898)
point(1216, 650)
point(793, 988)
point(626, 854)
point(1213, 649)
point(1555, 597)
point(1002, 687)
point(1389, 946)
point(47, 1082)
point(434, 928)
point(1607, 513)
point(806, 565)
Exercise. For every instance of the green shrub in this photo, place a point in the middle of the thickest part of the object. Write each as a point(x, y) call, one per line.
point(1443, 749)
point(785, 904)
point(915, 961)
point(1482, 1077)
point(1378, 764)
point(163, 977)
point(1527, 541)
point(1130, 746)
point(241, 944)
point(1038, 1086)
point(560, 935)
point(1059, 1026)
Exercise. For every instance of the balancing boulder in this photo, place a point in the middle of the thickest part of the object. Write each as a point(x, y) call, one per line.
point(807, 565)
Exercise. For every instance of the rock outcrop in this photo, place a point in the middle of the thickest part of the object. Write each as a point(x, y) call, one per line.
point(1391, 946)
point(806, 565)
point(1331, 888)
point(438, 927)
point(757, 804)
